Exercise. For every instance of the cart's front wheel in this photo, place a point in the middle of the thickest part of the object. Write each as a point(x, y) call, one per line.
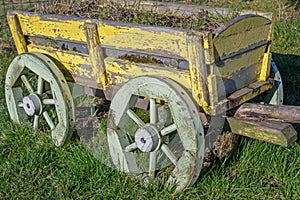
point(165, 141)
point(37, 92)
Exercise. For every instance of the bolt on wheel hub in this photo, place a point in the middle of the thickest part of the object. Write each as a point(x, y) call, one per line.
point(147, 138)
point(32, 105)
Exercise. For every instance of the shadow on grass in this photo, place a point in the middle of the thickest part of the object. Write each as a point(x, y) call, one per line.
point(289, 67)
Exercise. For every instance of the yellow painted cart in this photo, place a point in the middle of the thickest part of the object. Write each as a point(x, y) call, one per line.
point(188, 78)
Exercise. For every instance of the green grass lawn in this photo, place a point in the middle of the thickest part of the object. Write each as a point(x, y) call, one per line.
point(32, 167)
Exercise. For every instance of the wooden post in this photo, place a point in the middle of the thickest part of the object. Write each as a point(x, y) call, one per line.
point(95, 52)
point(284, 113)
point(274, 132)
point(270, 123)
point(197, 68)
point(17, 33)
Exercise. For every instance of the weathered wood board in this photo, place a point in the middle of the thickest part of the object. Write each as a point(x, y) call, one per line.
point(284, 113)
point(275, 132)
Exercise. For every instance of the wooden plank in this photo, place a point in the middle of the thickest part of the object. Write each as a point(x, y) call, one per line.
point(17, 33)
point(120, 71)
point(213, 90)
point(159, 40)
point(247, 93)
point(240, 78)
point(229, 66)
point(258, 84)
point(75, 67)
point(285, 113)
point(52, 26)
point(241, 33)
point(113, 34)
point(275, 132)
point(237, 72)
point(265, 67)
point(198, 70)
point(95, 53)
point(240, 94)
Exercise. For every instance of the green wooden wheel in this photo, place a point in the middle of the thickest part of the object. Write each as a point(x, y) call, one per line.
point(143, 143)
point(37, 92)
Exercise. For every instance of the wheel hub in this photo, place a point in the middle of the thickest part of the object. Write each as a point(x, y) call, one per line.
point(147, 138)
point(32, 105)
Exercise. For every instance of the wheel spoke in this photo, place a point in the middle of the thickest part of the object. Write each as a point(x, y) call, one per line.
point(27, 84)
point(169, 154)
point(168, 130)
point(135, 118)
point(36, 122)
point(131, 147)
point(152, 164)
point(153, 111)
point(48, 120)
point(49, 101)
point(40, 85)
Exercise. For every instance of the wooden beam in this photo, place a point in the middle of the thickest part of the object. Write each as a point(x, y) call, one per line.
point(95, 52)
point(247, 93)
point(197, 67)
point(284, 113)
point(274, 132)
point(17, 33)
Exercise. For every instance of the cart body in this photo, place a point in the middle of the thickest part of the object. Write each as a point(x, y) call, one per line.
point(222, 69)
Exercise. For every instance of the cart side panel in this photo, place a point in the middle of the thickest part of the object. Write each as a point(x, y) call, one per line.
point(76, 42)
point(154, 40)
point(63, 39)
point(240, 47)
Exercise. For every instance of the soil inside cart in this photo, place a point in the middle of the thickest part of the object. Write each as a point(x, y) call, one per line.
point(108, 10)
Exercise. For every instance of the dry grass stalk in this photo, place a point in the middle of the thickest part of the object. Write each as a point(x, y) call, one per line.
point(109, 10)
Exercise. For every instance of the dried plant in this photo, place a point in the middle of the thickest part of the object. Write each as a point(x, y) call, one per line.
point(109, 10)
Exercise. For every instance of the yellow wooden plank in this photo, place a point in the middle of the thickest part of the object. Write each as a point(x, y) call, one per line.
point(76, 67)
point(198, 70)
point(132, 37)
point(53, 26)
point(17, 33)
point(95, 52)
point(213, 90)
point(170, 43)
point(241, 34)
point(120, 71)
point(275, 132)
point(265, 67)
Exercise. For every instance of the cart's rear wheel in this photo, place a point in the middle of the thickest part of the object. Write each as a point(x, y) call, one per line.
point(275, 95)
point(144, 144)
point(37, 92)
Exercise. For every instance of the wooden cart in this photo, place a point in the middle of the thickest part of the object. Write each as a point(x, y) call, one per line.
point(179, 73)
